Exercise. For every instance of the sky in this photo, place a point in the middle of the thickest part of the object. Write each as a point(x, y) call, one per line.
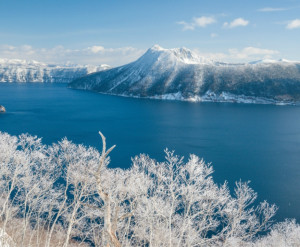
point(116, 32)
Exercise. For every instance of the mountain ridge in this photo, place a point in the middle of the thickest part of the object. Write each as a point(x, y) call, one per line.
point(161, 73)
point(18, 70)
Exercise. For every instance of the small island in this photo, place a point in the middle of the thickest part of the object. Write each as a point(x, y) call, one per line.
point(2, 109)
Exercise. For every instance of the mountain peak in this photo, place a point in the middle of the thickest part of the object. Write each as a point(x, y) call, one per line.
point(156, 47)
point(180, 73)
point(181, 55)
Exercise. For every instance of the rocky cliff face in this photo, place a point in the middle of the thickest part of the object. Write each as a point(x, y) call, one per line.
point(14, 70)
point(181, 74)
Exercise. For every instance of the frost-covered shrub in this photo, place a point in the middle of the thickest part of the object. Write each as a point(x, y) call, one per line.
point(65, 195)
point(283, 234)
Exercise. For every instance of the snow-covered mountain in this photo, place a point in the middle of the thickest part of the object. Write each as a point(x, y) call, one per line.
point(15, 70)
point(182, 74)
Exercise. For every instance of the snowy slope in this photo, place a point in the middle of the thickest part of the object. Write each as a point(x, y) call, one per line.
point(181, 74)
point(15, 70)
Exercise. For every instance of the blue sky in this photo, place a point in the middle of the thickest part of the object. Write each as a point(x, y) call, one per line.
point(117, 32)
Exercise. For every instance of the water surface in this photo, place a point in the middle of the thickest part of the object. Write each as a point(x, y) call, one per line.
point(260, 143)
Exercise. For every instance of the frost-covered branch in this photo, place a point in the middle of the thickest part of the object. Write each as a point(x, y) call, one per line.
point(65, 195)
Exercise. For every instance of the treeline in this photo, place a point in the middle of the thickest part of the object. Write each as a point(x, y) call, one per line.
point(66, 195)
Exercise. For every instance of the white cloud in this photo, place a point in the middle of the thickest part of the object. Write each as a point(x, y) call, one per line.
point(96, 49)
point(270, 9)
point(202, 21)
point(250, 51)
point(239, 22)
point(94, 55)
point(186, 25)
point(213, 35)
point(241, 55)
point(293, 24)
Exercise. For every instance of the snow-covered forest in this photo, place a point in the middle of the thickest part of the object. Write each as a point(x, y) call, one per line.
point(66, 195)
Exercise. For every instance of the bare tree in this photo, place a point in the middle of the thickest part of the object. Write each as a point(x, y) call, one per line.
point(66, 195)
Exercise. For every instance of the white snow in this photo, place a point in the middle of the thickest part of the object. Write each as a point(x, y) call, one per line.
point(213, 97)
point(187, 56)
point(16, 70)
point(180, 74)
point(182, 55)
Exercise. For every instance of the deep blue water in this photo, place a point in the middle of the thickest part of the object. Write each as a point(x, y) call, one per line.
point(260, 143)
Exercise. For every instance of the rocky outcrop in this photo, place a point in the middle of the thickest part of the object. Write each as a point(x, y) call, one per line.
point(2, 109)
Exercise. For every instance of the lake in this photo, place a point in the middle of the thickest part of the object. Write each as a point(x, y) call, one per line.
point(260, 143)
